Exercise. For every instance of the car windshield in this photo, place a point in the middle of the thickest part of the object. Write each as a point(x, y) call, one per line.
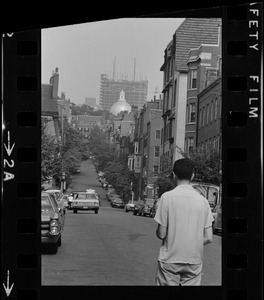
point(45, 203)
point(85, 196)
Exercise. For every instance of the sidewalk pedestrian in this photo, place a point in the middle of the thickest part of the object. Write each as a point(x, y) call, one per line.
point(184, 225)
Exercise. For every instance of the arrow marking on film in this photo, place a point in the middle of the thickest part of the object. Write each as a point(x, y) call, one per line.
point(8, 149)
point(7, 289)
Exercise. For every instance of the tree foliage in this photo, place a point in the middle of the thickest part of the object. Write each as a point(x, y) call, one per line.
point(56, 159)
point(207, 164)
point(50, 149)
point(114, 166)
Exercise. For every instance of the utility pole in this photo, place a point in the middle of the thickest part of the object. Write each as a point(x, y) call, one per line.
point(63, 183)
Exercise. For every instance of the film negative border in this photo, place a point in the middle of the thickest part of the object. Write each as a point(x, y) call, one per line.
point(21, 66)
point(242, 144)
point(242, 123)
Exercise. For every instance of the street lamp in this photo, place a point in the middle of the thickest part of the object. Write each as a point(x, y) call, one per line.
point(63, 182)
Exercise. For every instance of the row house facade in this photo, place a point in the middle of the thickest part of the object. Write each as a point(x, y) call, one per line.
point(177, 77)
point(85, 123)
point(203, 68)
point(120, 130)
point(146, 157)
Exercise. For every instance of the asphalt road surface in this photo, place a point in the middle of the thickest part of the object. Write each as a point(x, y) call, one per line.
point(112, 247)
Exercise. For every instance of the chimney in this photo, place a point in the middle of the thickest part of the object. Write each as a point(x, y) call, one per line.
point(55, 82)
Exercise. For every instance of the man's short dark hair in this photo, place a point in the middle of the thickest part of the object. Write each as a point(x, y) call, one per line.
point(183, 168)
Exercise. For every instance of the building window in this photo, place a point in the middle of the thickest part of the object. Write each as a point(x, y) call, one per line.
point(156, 151)
point(191, 113)
point(155, 170)
point(215, 109)
point(157, 134)
point(200, 118)
point(136, 148)
point(145, 142)
point(207, 114)
point(190, 144)
point(212, 111)
point(193, 79)
point(204, 115)
point(80, 128)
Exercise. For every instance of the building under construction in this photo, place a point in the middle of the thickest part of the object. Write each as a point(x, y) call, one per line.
point(136, 91)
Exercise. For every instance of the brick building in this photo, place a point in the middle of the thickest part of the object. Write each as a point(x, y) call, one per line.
point(192, 33)
point(203, 69)
point(85, 123)
point(146, 157)
point(209, 116)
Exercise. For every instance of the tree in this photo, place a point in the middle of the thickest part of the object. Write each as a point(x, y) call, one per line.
point(207, 164)
point(114, 166)
point(56, 159)
point(81, 110)
point(50, 149)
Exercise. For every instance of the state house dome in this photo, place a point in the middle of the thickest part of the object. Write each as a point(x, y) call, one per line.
point(120, 105)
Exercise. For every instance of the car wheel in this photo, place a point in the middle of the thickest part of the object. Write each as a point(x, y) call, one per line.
point(75, 211)
point(53, 248)
point(59, 242)
point(96, 211)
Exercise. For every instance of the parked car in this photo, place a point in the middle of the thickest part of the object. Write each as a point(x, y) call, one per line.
point(129, 206)
point(85, 200)
point(113, 197)
point(56, 192)
point(118, 202)
point(154, 208)
point(145, 209)
point(52, 222)
point(58, 197)
point(137, 207)
point(210, 191)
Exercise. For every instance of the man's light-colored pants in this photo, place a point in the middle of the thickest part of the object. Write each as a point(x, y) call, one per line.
point(178, 274)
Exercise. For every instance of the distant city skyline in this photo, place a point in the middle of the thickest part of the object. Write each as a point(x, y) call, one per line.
point(128, 48)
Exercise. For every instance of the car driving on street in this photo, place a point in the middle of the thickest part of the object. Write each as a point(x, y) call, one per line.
point(85, 200)
point(52, 222)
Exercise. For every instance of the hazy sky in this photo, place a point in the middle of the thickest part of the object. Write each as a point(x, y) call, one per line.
point(84, 51)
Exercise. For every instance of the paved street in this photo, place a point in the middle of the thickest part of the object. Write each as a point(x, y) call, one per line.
point(112, 247)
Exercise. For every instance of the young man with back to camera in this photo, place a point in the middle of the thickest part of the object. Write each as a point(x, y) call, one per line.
point(184, 225)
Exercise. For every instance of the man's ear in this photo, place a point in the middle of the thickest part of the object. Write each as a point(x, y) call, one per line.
point(192, 177)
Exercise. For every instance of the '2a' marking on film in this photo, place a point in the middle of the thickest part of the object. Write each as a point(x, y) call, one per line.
point(10, 163)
